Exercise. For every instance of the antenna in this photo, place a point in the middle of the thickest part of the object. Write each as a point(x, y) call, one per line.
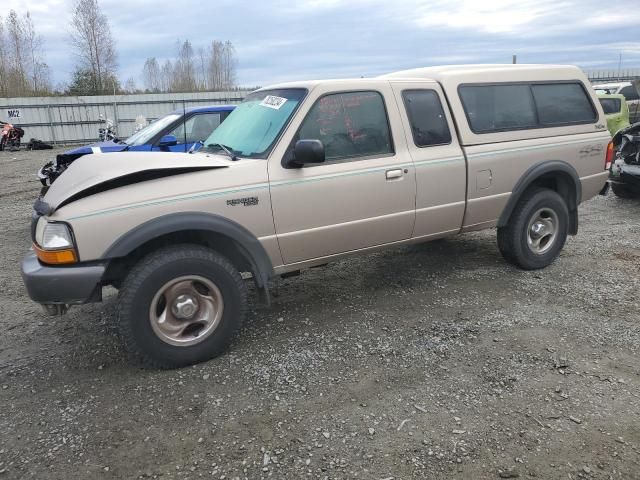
point(184, 122)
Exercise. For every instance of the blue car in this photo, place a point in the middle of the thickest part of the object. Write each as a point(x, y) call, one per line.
point(175, 132)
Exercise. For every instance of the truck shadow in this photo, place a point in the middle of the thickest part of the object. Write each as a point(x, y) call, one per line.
point(414, 269)
point(395, 279)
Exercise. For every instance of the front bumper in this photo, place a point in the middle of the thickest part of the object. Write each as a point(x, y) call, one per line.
point(70, 285)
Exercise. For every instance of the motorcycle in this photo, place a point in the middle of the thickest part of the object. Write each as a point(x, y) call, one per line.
point(11, 137)
point(624, 175)
point(108, 131)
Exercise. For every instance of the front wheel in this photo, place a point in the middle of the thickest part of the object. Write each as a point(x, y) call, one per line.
point(537, 230)
point(181, 305)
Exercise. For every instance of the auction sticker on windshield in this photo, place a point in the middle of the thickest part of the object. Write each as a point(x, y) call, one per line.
point(271, 101)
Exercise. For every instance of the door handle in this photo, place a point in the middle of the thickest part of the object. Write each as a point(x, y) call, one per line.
point(395, 173)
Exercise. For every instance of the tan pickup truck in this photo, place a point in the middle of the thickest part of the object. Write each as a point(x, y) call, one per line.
point(305, 173)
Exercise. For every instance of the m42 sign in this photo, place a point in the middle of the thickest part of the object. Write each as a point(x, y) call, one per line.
point(13, 113)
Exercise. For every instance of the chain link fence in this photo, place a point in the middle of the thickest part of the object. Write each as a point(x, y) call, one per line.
point(606, 76)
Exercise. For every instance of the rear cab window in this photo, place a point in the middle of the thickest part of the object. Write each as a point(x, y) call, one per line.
point(519, 106)
point(351, 125)
point(426, 117)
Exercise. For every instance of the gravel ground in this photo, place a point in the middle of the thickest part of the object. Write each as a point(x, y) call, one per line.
point(432, 361)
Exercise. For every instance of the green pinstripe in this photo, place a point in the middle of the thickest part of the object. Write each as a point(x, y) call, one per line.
point(366, 171)
point(419, 164)
point(173, 200)
point(533, 147)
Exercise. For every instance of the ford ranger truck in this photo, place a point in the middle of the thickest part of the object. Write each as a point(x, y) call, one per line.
point(305, 173)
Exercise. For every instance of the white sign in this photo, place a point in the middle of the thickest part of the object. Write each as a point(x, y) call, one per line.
point(271, 101)
point(13, 113)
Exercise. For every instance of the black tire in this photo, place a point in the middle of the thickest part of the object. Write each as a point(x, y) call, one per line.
point(513, 238)
point(623, 191)
point(153, 272)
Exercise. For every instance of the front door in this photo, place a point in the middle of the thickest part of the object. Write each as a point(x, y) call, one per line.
point(362, 196)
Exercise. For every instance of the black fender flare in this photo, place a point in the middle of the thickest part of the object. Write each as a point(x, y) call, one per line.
point(249, 246)
point(535, 172)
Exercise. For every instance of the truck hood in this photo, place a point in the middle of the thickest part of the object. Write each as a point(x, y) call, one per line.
point(96, 173)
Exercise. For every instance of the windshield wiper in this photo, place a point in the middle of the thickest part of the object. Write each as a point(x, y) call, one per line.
point(227, 150)
point(198, 144)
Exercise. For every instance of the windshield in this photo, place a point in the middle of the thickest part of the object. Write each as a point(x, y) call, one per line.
point(145, 135)
point(252, 129)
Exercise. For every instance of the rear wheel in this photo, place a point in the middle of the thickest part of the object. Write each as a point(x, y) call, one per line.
point(623, 191)
point(537, 230)
point(181, 305)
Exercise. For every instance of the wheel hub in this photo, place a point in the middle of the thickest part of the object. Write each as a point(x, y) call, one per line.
point(537, 229)
point(184, 306)
point(542, 231)
point(186, 310)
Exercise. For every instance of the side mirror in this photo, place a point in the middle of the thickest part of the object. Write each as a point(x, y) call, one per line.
point(168, 141)
point(306, 152)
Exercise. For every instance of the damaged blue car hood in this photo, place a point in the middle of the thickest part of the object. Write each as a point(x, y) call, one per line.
point(98, 147)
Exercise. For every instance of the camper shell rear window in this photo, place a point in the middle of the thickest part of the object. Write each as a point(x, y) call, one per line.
point(502, 107)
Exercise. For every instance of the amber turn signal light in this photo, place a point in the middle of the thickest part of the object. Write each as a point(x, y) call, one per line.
point(55, 257)
point(610, 156)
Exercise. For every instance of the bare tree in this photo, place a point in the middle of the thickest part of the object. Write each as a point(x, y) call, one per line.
point(151, 75)
point(211, 68)
point(215, 65)
point(184, 68)
point(130, 85)
point(17, 79)
point(91, 38)
point(202, 69)
point(3, 61)
point(38, 69)
point(166, 76)
point(222, 65)
point(23, 71)
point(228, 66)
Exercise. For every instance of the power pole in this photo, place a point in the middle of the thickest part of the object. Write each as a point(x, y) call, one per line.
point(619, 64)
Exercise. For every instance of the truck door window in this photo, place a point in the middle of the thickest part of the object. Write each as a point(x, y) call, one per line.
point(426, 117)
point(350, 124)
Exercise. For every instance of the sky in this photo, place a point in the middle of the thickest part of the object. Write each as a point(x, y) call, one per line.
point(282, 40)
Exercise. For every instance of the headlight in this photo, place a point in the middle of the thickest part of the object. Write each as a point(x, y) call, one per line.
point(54, 243)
